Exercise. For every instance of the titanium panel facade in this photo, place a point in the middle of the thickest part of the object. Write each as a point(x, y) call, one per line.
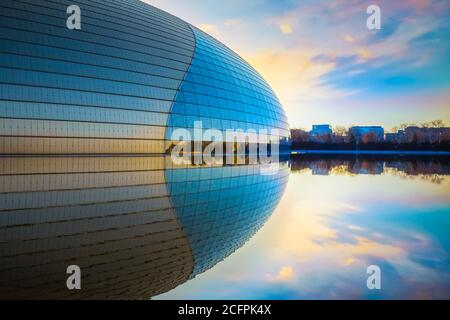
point(135, 223)
point(122, 83)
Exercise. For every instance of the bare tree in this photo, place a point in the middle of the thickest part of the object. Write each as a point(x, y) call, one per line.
point(403, 126)
point(340, 130)
point(437, 123)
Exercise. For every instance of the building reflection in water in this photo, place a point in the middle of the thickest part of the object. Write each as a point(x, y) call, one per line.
point(136, 226)
point(327, 230)
point(429, 168)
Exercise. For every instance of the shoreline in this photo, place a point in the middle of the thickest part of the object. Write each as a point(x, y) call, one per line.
point(372, 152)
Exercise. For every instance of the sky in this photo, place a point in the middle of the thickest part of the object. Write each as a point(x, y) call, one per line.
point(326, 66)
point(315, 249)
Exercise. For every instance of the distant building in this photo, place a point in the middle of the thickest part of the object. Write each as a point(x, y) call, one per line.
point(299, 135)
point(321, 133)
point(426, 135)
point(321, 129)
point(397, 137)
point(366, 134)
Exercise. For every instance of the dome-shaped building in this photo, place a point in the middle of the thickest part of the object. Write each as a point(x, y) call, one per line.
point(122, 83)
point(135, 223)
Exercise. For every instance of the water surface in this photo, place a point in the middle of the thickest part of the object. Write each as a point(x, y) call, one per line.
point(339, 215)
point(140, 227)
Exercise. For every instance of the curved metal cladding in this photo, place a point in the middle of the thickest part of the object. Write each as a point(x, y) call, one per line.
point(224, 92)
point(133, 234)
point(221, 208)
point(112, 87)
point(111, 216)
point(104, 89)
point(136, 224)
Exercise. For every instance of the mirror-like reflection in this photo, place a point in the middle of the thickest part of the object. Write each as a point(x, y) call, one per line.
point(338, 215)
point(136, 226)
point(139, 228)
point(428, 168)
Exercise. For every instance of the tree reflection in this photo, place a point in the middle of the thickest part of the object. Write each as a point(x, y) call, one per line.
point(431, 169)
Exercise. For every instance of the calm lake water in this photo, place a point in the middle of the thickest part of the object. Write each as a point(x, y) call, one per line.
point(140, 228)
point(336, 217)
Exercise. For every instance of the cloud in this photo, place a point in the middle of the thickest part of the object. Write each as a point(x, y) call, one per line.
point(232, 22)
point(223, 28)
point(327, 59)
point(364, 54)
point(286, 27)
point(355, 228)
point(286, 273)
point(349, 261)
point(211, 29)
point(296, 79)
point(389, 27)
point(284, 23)
point(349, 38)
point(294, 75)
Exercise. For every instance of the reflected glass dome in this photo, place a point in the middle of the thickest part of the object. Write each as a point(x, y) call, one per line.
point(86, 122)
point(136, 226)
